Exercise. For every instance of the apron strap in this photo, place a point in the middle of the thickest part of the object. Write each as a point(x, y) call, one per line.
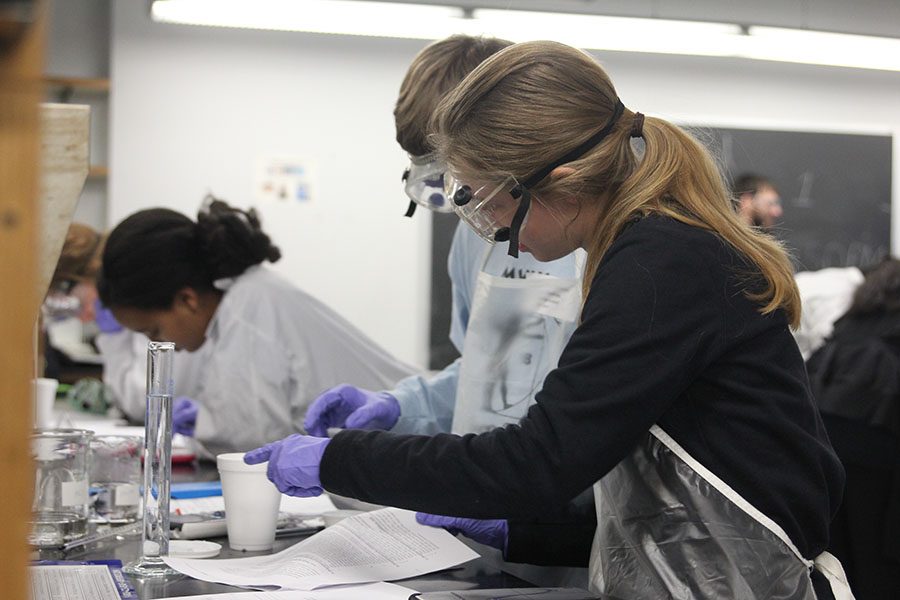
point(826, 563)
point(727, 491)
point(831, 568)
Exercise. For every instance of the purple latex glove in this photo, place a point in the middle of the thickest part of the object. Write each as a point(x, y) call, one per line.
point(351, 407)
point(490, 532)
point(104, 319)
point(293, 463)
point(184, 416)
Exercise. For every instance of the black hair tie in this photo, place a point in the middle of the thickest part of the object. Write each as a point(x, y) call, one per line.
point(637, 126)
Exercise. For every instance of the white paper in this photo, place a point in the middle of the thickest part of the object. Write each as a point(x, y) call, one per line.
point(380, 545)
point(369, 591)
point(72, 582)
point(306, 507)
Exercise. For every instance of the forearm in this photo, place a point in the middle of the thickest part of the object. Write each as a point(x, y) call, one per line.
point(562, 539)
point(426, 405)
point(507, 473)
point(125, 371)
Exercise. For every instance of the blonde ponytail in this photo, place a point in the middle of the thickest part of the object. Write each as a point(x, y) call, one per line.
point(533, 102)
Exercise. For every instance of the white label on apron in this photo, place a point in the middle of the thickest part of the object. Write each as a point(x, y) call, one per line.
point(74, 493)
point(563, 306)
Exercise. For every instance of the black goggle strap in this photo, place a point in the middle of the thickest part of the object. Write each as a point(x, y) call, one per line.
point(511, 233)
point(410, 211)
point(518, 219)
point(579, 151)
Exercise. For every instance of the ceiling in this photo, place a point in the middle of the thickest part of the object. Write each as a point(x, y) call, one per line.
point(867, 17)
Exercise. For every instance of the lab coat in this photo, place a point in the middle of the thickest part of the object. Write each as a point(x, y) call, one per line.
point(427, 404)
point(825, 295)
point(124, 356)
point(270, 350)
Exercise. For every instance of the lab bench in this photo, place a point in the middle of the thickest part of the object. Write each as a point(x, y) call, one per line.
point(481, 573)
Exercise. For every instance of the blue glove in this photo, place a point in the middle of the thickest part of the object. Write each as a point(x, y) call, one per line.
point(104, 319)
point(184, 416)
point(351, 407)
point(293, 463)
point(490, 532)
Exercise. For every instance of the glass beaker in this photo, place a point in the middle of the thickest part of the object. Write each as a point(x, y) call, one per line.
point(116, 478)
point(59, 510)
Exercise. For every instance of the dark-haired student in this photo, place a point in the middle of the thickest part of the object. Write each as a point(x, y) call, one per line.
point(270, 347)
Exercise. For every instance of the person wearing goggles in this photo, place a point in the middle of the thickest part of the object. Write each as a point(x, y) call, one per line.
point(510, 318)
point(681, 396)
point(423, 182)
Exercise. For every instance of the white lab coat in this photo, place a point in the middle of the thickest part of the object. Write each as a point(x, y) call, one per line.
point(124, 356)
point(825, 295)
point(270, 350)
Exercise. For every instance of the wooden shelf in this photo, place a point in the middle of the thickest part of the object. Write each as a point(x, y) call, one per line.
point(81, 84)
point(98, 172)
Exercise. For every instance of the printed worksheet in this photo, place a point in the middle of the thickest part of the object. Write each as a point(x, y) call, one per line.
point(79, 582)
point(381, 545)
point(369, 591)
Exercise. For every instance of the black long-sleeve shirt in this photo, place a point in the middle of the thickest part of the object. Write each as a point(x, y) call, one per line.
point(668, 336)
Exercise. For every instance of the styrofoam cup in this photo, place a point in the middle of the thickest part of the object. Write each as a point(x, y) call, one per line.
point(44, 392)
point(251, 503)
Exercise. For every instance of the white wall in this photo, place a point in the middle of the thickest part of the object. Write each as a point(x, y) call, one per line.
point(78, 46)
point(193, 108)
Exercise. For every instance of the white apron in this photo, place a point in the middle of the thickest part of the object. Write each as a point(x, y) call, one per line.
point(669, 528)
point(516, 332)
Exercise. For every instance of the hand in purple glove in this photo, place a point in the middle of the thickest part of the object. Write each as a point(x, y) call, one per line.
point(351, 407)
point(490, 532)
point(184, 416)
point(293, 463)
point(104, 319)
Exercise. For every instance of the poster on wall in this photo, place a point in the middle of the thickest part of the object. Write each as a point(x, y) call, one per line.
point(284, 180)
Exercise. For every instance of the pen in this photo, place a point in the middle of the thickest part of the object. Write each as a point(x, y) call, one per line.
point(102, 535)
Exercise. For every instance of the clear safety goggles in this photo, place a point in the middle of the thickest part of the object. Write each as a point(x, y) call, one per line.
point(496, 212)
point(424, 184)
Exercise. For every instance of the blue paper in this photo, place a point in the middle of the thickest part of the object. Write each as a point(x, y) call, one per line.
point(197, 489)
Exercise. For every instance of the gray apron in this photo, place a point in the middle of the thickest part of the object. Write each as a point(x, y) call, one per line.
point(516, 333)
point(667, 527)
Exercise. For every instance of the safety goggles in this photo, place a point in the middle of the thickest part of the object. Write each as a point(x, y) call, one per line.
point(424, 184)
point(496, 212)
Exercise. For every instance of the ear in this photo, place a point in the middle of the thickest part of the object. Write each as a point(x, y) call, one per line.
point(560, 172)
point(187, 298)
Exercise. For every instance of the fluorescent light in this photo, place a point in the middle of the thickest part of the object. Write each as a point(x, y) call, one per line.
point(824, 48)
point(431, 22)
point(612, 33)
point(348, 17)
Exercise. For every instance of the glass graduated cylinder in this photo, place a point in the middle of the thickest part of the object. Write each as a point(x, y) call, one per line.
point(157, 463)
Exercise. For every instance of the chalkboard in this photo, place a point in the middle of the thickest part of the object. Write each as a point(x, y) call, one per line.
point(835, 189)
point(441, 350)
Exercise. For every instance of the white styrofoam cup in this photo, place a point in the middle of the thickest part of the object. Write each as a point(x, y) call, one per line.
point(251, 503)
